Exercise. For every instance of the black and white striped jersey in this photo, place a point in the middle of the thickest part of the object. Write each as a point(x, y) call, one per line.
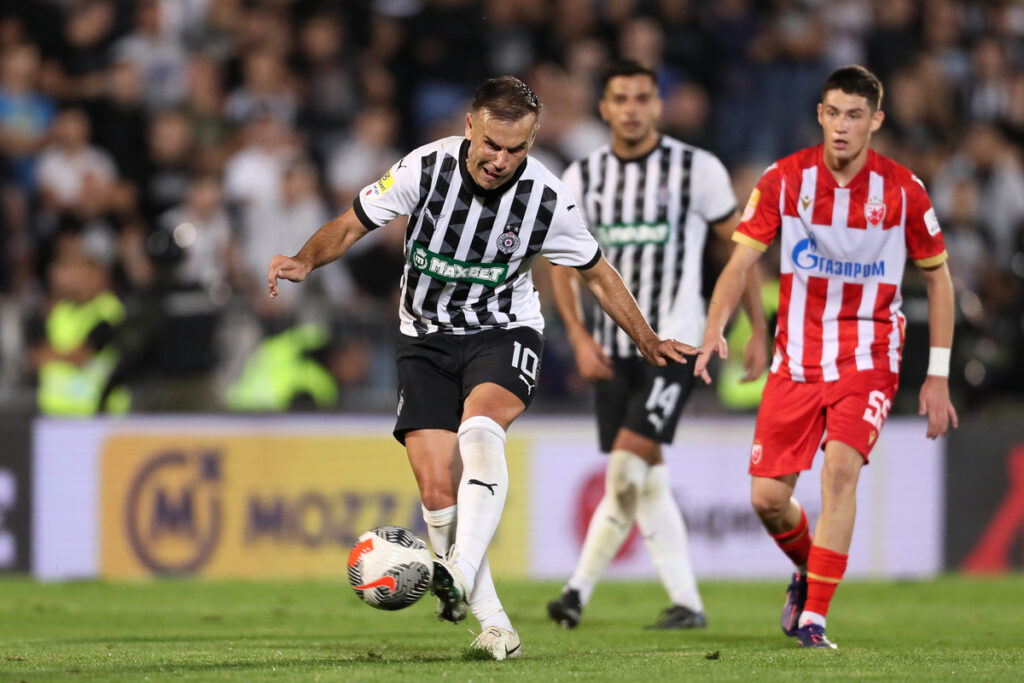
point(651, 217)
point(469, 250)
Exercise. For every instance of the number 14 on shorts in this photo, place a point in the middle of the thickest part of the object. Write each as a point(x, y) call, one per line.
point(662, 399)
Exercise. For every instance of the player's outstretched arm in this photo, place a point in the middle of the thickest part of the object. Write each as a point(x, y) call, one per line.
point(728, 289)
point(934, 397)
point(606, 284)
point(592, 361)
point(328, 243)
point(755, 354)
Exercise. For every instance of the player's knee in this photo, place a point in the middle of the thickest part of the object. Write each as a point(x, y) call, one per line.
point(841, 473)
point(767, 505)
point(436, 497)
point(624, 479)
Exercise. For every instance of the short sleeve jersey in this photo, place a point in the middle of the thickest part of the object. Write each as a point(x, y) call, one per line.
point(651, 216)
point(469, 250)
point(843, 250)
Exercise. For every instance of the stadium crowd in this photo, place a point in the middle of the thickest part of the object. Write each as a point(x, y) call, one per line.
point(157, 153)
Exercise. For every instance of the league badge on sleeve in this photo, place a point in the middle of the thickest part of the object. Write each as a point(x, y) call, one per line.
point(874, 211)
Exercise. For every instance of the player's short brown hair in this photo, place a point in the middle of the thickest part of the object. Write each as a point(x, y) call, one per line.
point(507, 98)
point(627, 67)
point(855, 80)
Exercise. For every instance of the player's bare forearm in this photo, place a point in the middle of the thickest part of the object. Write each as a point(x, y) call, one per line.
point(940, 305)
point(613, 296)
point(592, 361)
point(566, 291)
point(934, 401)
point(728, 289)
point(328, 243)
point(332, 240)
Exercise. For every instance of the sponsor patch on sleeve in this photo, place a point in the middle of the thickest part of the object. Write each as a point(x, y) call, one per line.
point(751, 207)
point(376, 190)
point(931, 221)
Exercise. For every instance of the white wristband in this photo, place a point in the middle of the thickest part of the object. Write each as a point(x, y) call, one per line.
point(938, 361)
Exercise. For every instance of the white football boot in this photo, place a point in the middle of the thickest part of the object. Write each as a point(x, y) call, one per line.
point(501, 643)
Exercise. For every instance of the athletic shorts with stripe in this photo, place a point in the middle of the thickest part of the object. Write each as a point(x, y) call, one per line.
point(643, 398)
point(794, 416)
point(437, 371)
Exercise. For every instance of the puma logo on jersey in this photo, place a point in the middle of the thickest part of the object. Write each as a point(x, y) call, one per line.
point(529, 387)
point(489, 487)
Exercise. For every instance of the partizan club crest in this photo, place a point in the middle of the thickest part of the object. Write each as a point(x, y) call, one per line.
point(508, 241)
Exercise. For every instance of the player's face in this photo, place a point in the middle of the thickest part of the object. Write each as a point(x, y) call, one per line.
point(848, 122)
point(631, 107)
point(496, 147)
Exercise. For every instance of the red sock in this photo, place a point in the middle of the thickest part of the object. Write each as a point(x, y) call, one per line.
point(825, 570)
point(796, 542)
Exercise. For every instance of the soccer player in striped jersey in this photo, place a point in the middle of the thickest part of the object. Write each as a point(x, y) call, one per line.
point(650, 199)
point(848, 218)
point(480, 212)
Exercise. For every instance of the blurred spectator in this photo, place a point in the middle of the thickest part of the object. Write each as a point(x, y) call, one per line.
point(74, 176)
point(159, 56)
point(72, 345)
point(25, 113)
point(329, 98)
point(205, 111)
point(200, 229)
point(75, 72)
point(281, 225)
point(120, 121)
point(985, 159)
point(896, 38)
point(365, 156)
point(254, 172)
point(987, 91)
point(165, 179)
point(264, 90)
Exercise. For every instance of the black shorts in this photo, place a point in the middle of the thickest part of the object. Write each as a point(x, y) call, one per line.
point(436, 372)
point(642, 398)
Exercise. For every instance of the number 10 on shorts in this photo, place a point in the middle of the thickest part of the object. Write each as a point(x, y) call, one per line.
point(525, 360)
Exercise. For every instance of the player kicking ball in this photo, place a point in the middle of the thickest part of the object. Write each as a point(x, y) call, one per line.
point(848, 219)
point(480, 212)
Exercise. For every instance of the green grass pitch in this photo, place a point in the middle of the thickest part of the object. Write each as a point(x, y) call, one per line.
point(950, 628)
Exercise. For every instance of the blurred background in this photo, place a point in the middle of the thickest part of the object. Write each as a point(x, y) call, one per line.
point(156, 153)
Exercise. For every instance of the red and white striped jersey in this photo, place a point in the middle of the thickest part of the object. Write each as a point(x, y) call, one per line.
point(843, 254)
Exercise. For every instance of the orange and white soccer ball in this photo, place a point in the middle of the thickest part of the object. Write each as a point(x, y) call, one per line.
point(390, 567)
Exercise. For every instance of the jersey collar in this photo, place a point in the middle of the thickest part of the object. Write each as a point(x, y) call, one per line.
point(642, 157)
point(859, 179)
point(468, 181)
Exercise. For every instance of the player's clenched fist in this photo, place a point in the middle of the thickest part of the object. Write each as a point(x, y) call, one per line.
point(285, 268)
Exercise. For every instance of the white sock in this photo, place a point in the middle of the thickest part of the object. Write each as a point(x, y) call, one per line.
point(482, 491)
point(811, 618)
point(483, 601)
point(664, 532)
point(440, 527)
point(612, 520)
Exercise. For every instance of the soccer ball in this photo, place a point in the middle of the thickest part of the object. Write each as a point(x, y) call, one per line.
point(390, 568)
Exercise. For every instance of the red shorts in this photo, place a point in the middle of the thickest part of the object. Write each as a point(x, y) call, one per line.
point(794, 416)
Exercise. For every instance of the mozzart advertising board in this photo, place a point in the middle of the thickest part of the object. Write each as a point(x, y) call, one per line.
point(228, 497)
point(287, 497)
